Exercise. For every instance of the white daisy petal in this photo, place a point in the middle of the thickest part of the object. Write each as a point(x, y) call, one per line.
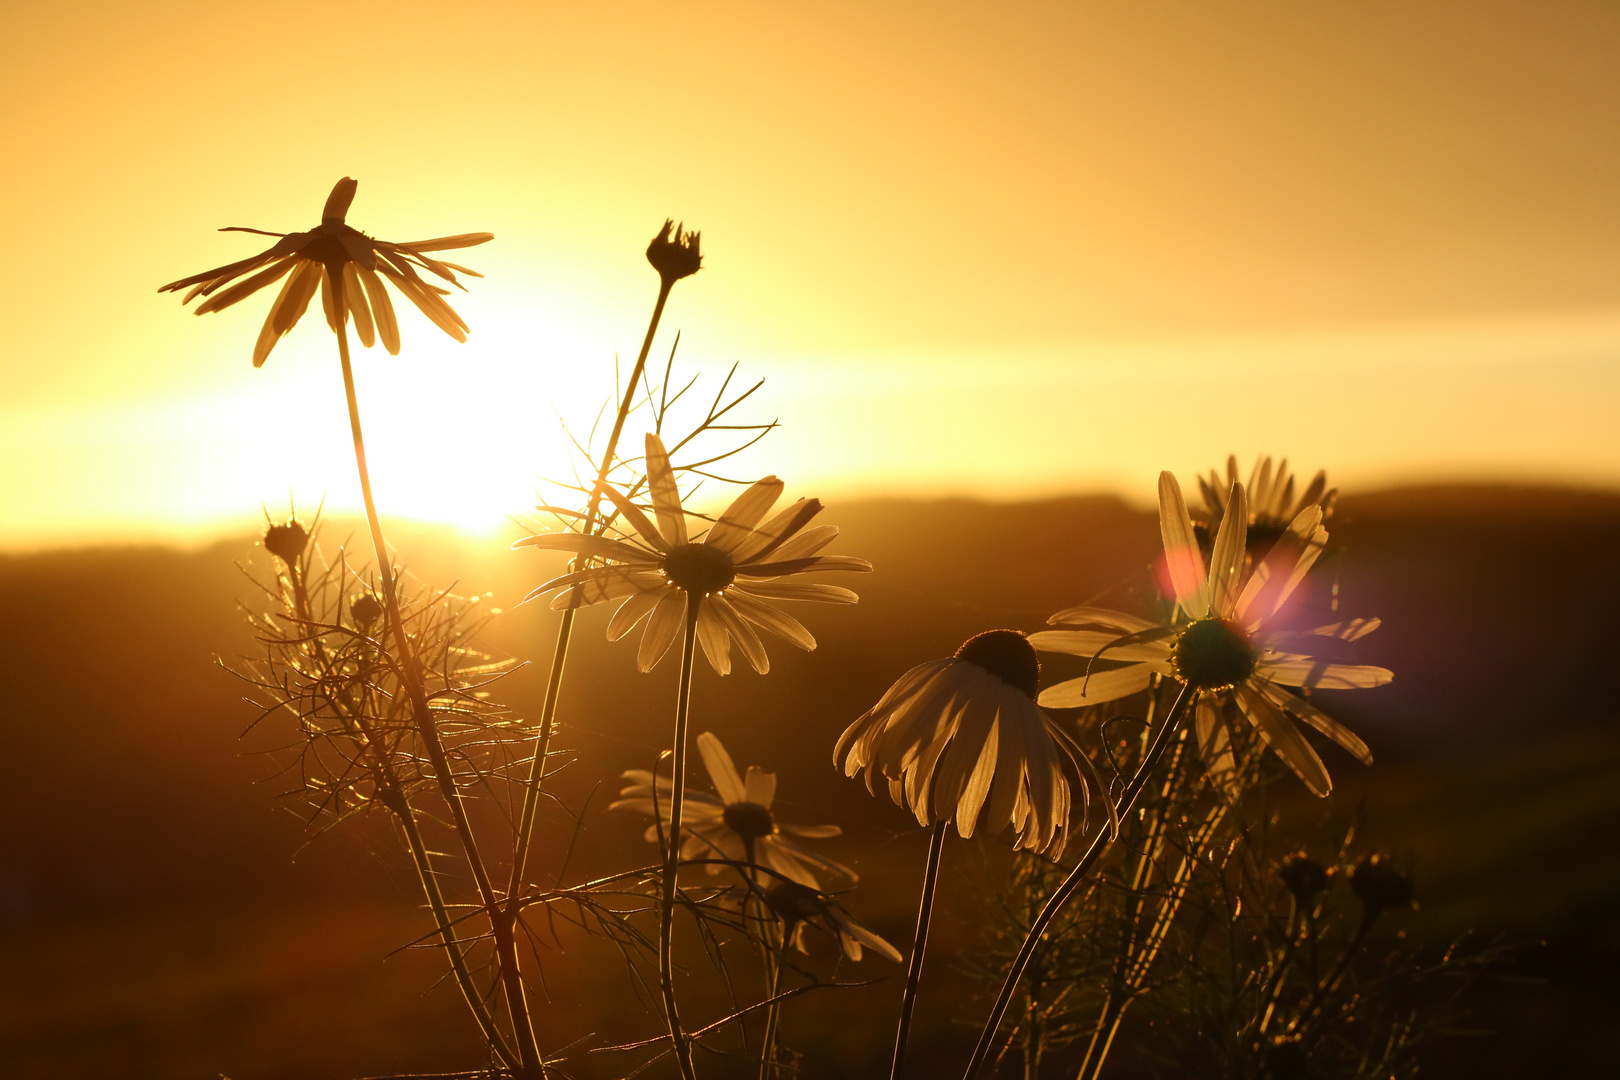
point(666, 494)
point(760, 787)
point(1100, 686)
point(1215, 746)
point(1097, 644)
point(806, 543)
point(1227, 559)
point(662, 629)
point(598, 546)
point(722, 770)
point(1183, 560)
point(777, 622)
point(805, 566)
point(711, 634)
point(778, 531)
point(1085, 615)
point(638, 520)
point(737, 627)
point(1321, 675)
point(1283, 737)
point(793, 590)
point(1321, 721)
point(736, 525)
point(631, 612)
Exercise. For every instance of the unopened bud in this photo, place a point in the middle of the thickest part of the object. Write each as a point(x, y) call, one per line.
point(365, 610)
point(287, 541)
point(1304, 877)
point(1380, 884)
point(675, 253)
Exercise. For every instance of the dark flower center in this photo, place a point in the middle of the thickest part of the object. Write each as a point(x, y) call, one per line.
point(1213, 654)
point(1007, 655)
point(749, 820)
point(699, 568)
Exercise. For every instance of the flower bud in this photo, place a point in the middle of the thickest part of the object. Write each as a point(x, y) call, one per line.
point(1380, 884)
point(675, 253)
point(365, 610)
point(287, 541)
point(1303, 876)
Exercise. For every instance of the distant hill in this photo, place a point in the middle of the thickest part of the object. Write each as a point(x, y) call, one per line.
point(153, 921)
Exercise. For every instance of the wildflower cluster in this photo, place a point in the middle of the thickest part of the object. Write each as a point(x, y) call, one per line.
point(389, 697)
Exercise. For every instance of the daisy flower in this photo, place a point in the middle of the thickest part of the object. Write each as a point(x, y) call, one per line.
point(963, 738)
point(799, 907)
point(1224, 644)
point(736, 824)
point(1273, 504)
point(730, 574)
point(348, 267)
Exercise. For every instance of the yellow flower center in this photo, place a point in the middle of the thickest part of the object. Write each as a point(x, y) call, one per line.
point(1213, 654)
point(699, 568)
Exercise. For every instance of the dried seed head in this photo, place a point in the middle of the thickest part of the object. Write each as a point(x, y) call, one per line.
point(1007, 655)
point(286, 541)
point(365, 610)
point(1380, 884)
point(1304, 877)
point(675, 253)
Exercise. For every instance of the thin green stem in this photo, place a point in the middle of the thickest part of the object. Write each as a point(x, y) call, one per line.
point(565, 630)
point(678, 1038)
point(415, 688)
point(1054, 903)
point(919, 946)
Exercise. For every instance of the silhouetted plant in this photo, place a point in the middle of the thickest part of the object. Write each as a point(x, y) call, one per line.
point(1191, 906)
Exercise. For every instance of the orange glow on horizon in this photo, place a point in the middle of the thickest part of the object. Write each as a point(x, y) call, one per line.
point(1000, 253)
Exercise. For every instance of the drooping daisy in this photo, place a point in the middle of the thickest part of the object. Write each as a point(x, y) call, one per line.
point(728, 575)
point(799, 907)
point(963, 738)
point(1224, 644)
point(1272, 502)
point(348, 267)
point(736, 824)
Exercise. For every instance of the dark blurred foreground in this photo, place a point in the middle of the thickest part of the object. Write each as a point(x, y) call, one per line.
point(159, 918)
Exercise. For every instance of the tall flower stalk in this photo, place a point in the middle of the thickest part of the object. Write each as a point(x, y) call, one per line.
point(675, 254)
point(348, 267)
point(711, 591)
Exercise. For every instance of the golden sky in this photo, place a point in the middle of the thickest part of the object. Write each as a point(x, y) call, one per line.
point(995, 249)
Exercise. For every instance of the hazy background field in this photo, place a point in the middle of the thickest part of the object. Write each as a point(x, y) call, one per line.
point(154, 921)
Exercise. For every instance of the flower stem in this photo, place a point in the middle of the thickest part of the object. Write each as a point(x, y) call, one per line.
point(919, 946)
point(565, 631)
point(1054, 903)
point(672, 852)
point(767, 1058)
point(501, 927)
